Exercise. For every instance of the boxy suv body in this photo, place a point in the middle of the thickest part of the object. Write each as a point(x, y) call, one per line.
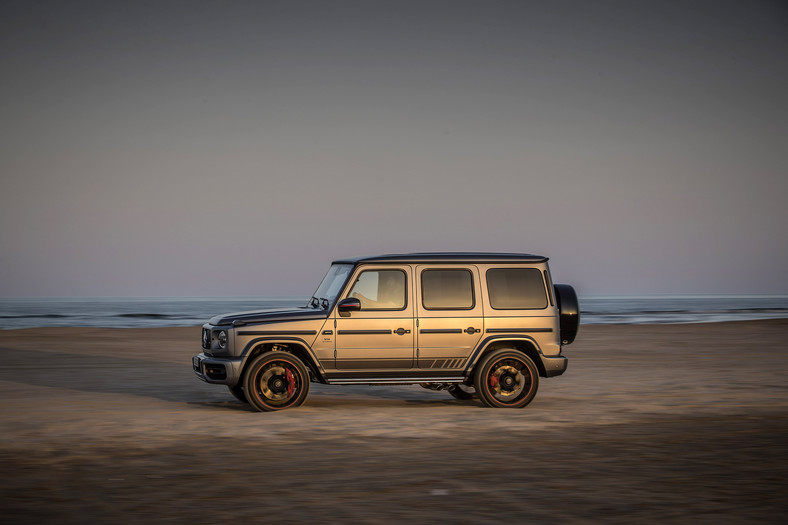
point(483, 324)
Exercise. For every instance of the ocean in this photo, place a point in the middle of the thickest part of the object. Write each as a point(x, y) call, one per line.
point(146, 312)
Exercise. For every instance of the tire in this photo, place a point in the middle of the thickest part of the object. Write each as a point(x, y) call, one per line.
point(461, 392)
point(238, 393)
point(276, 381)
point(506, 378)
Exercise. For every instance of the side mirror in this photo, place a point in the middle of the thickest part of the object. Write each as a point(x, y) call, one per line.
point(345, 306)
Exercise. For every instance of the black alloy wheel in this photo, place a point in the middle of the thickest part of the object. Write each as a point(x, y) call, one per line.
point(506, 378)
point(275, 381)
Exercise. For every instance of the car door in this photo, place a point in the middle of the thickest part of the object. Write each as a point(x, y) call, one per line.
point(380, 336)
point(450, 315)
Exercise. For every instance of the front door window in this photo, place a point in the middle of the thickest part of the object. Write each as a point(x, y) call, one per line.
point(380, 290)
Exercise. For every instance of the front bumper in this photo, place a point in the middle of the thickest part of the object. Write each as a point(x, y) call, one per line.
point(217, 370)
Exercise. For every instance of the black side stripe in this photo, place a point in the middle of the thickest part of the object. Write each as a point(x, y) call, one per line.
point(516, 330)
point(279, 332)
point(441, 331)
point(363, 332)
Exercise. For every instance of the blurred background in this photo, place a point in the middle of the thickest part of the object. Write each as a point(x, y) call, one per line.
point(234, 148)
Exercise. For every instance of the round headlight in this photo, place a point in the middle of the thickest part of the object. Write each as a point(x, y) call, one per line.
point(221, 337)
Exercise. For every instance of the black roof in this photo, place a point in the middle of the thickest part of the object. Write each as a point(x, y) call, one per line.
point(464, 257)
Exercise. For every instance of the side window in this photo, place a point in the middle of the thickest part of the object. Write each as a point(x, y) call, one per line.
point(516, 289)
point(380, 289)
point(447, 290)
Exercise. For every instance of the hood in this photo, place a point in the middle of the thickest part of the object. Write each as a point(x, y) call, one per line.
point(302, 313)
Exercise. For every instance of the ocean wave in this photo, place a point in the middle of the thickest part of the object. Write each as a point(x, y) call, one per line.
point(141, 313)
point(35, 316)
point(726, 311)
point(147, 316)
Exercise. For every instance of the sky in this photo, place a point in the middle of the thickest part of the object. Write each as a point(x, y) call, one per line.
point(235, 148)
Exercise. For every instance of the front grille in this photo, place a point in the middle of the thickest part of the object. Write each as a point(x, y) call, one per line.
point(206, 338)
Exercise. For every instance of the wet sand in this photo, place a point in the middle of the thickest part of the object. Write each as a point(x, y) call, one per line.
point(651, 423)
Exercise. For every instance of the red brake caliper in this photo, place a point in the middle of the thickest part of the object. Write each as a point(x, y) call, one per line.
point(290, 382)
point(493, 380)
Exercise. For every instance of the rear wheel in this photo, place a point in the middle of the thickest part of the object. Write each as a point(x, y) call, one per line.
point(275, 381)
point(238, 393)
point(506, 378)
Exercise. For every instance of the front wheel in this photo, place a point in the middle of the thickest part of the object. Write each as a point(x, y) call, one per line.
point(506, 378)
point(275, 381)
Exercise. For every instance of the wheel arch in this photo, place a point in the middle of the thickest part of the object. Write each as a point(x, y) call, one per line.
point(524, 344)
point(295, 346)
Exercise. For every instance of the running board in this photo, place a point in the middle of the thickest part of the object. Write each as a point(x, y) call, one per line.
point(396, 380)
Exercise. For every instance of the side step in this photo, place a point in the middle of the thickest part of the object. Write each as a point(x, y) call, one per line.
point(395, 380)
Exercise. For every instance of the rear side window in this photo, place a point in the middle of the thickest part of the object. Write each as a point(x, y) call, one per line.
point(516, 289)
point(447, 290)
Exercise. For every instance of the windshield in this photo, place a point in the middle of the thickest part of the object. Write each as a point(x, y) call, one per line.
point(332, 283)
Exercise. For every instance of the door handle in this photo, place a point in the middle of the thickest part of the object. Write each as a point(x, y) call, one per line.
point(401, 331)
point(471, 330)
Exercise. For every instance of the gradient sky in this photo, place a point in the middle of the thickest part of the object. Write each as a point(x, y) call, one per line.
point(235, 148)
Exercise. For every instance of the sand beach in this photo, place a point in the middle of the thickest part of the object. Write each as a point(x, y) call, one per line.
point(651, 423)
